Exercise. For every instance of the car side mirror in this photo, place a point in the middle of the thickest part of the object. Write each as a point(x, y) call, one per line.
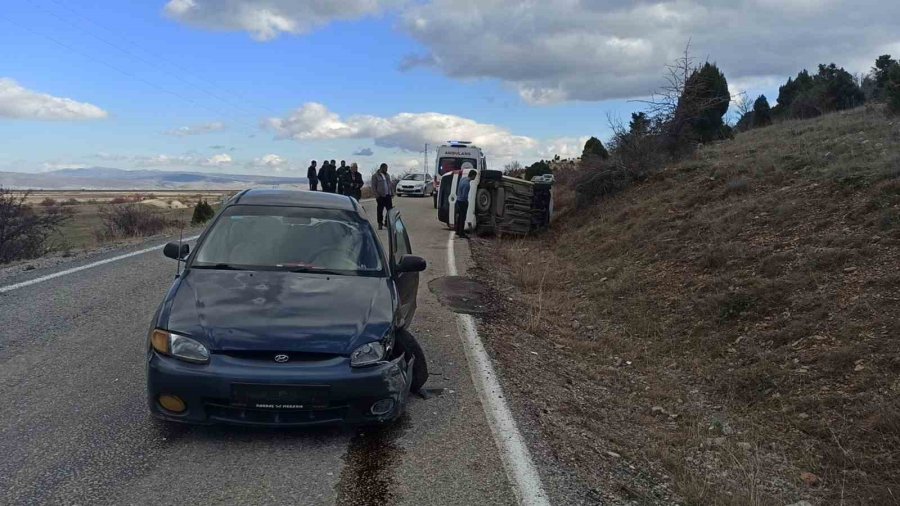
point(177, 251)
point(411, 263)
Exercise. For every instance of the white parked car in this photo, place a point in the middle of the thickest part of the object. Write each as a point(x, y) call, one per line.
point(420, 185)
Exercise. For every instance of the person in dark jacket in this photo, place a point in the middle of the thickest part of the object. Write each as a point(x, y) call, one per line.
point(328, 177)
point(313, 177)
point(332, 174)
point(356, 182)
point(383, 187)
point(343, 179)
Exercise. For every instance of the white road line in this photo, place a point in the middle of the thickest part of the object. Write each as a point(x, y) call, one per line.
point(23, 284)
point(520, 469)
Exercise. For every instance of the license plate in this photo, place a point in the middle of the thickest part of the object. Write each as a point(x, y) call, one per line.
point(279, 396)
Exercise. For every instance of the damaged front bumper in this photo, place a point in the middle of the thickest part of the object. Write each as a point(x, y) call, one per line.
point(337, 393)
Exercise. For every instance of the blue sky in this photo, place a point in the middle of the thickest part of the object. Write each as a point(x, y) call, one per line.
point(138, 71)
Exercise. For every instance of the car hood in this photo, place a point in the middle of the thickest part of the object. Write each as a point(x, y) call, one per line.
point(279, 311)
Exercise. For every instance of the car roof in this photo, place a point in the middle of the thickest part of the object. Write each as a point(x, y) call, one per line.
point(295, 198)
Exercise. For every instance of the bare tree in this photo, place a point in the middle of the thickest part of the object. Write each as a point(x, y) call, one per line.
point(663, 103)
point(513, 168)
point(743, 104)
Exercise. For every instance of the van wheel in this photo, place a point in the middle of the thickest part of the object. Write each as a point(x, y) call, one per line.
point(483, 200)
point(408, 344)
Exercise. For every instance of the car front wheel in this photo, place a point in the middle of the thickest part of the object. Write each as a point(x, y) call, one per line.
point(408, 344)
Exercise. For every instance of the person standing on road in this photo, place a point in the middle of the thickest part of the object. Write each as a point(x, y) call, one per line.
point(322, 170)
point(462, 202)
point(343, 179)
point(356, 182)
point(381, 185)
point(332, 174)
point(313, 177)
point(327, 177)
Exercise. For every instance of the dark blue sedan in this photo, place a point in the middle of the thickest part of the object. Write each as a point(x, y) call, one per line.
point(288, 312)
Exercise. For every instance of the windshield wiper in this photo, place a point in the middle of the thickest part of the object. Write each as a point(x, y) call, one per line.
point(314, 270)
point(220, 267)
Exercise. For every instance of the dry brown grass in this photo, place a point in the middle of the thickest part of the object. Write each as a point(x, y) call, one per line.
point(755, 287)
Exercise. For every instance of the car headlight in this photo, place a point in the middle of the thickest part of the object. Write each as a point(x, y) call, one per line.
point(367, 354)
point(178, 346)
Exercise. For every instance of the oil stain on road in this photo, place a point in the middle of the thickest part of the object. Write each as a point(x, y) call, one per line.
point(368, 477)
point(461, 294)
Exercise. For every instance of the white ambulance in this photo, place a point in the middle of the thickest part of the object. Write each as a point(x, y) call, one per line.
point(453, 161)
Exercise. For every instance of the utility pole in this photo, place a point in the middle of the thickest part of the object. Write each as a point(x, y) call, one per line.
point(425, 161)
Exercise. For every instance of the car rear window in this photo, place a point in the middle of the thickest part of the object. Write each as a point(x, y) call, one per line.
point(290, 238)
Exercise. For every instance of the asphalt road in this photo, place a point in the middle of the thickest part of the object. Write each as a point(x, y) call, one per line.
point(74, 427)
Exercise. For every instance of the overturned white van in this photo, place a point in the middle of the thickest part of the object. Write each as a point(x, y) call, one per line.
point(498, 204)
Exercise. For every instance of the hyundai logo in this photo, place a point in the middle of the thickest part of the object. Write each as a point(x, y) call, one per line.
point(282, 358)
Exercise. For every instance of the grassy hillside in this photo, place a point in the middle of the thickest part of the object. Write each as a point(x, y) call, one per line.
point(730, 327)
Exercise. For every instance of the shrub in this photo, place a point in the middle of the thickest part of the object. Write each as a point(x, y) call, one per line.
point(70, 202)
point(203, 212)
point(119, 200)
point(132, 220)
point(47, 202)
point(602, 181)
point(24, 232)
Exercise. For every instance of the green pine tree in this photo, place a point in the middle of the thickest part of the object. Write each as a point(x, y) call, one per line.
point(892, 88)
point(593, 147)
point(703, 104)
point(762, 113)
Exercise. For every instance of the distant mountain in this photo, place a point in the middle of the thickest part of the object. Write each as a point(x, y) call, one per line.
point(105, 178)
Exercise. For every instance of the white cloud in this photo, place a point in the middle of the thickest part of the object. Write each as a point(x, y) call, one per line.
point(267, 19)
point(606, 49)
point(565, 147)
point(47, 166)
point(20, 103)
point(112, 157)
point(204, 128)
point(406, 131)
point(271, 161)
point(164, 160)
point(363, 152)
point(218, 160)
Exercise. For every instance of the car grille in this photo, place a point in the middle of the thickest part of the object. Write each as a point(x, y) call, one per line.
point(232, 414)
point(269, 356)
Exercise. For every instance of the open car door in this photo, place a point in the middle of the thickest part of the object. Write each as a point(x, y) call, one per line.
point(407, 282)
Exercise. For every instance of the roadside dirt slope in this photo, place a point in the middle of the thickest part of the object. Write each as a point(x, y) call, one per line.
point(725, 333)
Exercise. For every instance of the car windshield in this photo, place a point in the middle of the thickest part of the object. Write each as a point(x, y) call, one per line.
point(414, 177)
point(290, 238)
point(450, 164)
